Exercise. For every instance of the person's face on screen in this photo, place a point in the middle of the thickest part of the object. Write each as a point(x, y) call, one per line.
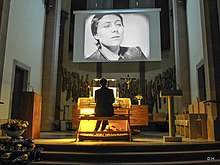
point(110, 30)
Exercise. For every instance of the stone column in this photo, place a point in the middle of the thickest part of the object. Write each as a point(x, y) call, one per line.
point(64, 17)
point(49, 80)
point(4, 16)
point(211, 41)
point(181, 51)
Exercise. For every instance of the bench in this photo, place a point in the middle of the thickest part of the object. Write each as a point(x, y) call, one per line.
point(192, 125)
point(118, 129)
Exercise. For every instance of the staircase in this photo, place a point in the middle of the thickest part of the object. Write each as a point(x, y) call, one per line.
point(134, 153)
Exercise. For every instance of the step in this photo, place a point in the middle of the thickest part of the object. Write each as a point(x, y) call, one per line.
point(195, 162)
point(132, 147)
point(132, 153)
point(131, 156)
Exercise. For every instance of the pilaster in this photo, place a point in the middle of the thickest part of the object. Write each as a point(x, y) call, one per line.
point(50, 64)
point(181, 51)
point(211, 42)
point(4, 17)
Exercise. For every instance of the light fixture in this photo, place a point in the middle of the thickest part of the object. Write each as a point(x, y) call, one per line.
point(48, 4)
point(182, 3)
point(87, 111)
point(137, 3)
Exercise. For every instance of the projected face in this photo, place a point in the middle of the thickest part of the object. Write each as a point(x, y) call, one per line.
point(108, 36)
point(109, 30)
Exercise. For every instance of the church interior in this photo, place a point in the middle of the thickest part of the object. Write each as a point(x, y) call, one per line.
point(166, 106)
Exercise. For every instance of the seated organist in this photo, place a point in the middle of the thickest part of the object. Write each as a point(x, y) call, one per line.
point(104, 99)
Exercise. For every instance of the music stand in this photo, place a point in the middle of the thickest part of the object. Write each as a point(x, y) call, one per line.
point(170, 94)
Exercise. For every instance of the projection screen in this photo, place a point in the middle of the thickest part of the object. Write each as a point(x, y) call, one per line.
point(117, 35)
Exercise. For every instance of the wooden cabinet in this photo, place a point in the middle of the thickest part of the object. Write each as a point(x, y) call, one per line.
point(27, 106)
point(139, 115)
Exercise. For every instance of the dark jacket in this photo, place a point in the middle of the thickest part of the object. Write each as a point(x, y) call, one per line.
point(104, 99)
point(125, 53)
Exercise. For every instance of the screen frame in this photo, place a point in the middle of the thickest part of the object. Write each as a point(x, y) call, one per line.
point(154, 32)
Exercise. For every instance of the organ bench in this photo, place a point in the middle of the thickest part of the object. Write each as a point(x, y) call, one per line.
point(117, 130)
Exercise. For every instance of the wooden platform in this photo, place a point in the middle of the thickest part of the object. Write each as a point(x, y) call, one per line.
point(117, 130)
point(139, 115)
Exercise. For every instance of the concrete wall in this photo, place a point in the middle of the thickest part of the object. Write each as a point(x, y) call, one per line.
point(25, 41)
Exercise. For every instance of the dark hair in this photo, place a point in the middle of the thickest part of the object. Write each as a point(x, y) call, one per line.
point(103, 82)
point(97, 17)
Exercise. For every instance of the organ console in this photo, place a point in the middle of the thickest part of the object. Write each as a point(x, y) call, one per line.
point(119, 124)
